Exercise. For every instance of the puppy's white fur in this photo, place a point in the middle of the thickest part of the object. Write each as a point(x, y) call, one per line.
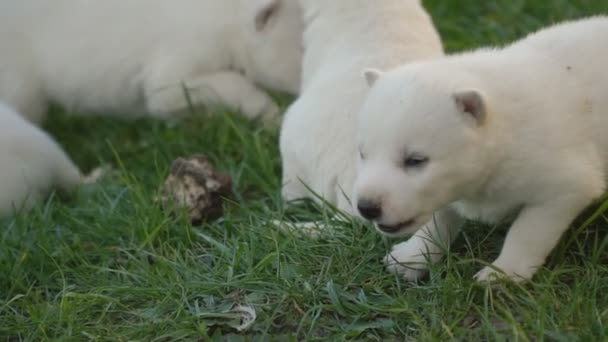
point(136, 56)
point(516, 130)
point(32, 164)
point(341, 39)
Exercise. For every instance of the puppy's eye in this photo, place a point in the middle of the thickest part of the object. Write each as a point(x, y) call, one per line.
point(415, 161)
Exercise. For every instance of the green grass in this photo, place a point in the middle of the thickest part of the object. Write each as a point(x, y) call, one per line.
point(107, 264)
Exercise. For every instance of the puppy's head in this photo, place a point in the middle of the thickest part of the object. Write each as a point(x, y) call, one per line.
point(421, 138)
point(272, 35)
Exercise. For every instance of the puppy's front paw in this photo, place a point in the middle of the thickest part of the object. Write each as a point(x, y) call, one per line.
point(407, 260)
point(312, 230)
point(271, 116)
point(500, 271)
point(262, 108)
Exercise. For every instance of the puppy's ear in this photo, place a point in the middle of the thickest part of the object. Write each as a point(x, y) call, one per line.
point(472, 104)
point(266, 10)
point(372, 76)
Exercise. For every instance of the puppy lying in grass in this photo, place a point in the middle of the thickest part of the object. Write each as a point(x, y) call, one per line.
point(341, 38)
point(137, 56)
point(32, 164)
point(484, 134)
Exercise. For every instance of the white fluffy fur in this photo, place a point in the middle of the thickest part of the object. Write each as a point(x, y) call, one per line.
point(341, 39)
point(517, 130)
point(135, 56)
point(32, 164)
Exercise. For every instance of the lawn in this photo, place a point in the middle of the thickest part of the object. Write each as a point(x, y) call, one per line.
point(108, 264)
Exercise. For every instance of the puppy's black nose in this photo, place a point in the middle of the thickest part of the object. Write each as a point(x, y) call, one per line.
point(369, 209)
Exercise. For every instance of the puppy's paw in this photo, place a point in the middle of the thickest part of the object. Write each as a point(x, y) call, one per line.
point(407, 260)
point(97, 174)
point(270, 116)
point(500, 271)
point(312, 230)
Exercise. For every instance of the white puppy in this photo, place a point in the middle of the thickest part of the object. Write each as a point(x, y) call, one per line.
point(32, 164)
point(138, 55)
point(341, 39)
point(481, 135)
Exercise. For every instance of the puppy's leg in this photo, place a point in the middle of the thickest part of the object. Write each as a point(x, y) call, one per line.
point(294, 191)
point(411, 258)
point(32, 166)
point(68, 175)
point(292, 187)
point(532, 236)
point(226, 88)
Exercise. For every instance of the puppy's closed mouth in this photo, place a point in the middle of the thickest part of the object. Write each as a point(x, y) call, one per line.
point(392, 229)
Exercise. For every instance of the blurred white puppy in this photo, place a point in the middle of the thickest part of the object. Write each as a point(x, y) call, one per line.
point(31, 164)
point(341, 39)
point(138, 55)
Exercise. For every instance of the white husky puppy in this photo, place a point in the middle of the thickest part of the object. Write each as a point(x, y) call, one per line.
point(341, 39)
point(31, 164)
point(484, 134)
point(138, 55)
